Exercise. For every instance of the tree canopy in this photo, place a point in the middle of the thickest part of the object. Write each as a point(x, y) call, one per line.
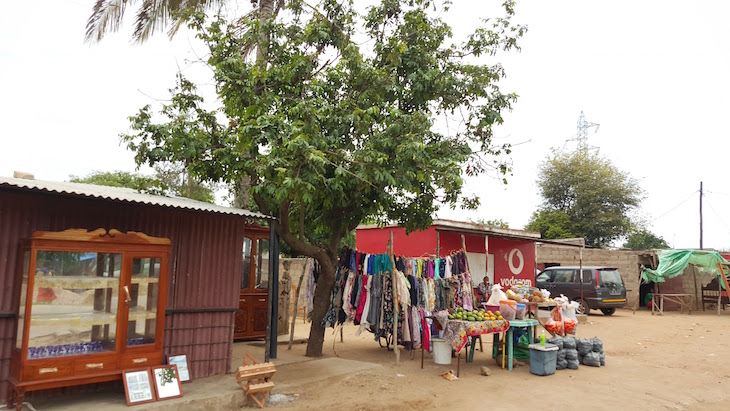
point(339, 123)
point(645, 240)
point(495, 222)
point(585, 195)
point(551, 224)
point(169, 179)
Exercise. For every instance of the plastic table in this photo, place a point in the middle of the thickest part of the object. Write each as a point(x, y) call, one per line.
point(528, 324)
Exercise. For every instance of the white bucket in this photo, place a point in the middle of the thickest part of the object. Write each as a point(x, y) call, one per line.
point(441, 351)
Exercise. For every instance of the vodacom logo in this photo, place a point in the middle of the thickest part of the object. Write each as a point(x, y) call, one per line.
point(511, 261)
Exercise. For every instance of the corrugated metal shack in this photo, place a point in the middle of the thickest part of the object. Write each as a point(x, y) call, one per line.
point(205, 262)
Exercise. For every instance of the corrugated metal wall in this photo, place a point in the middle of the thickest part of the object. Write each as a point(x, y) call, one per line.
point(204, 278)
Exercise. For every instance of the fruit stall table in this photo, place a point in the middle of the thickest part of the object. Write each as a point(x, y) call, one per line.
point(529, 324)
point(457, 333)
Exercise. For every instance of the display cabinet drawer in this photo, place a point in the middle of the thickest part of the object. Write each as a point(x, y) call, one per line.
point(89, 366)
point(141, 360)
point(48, 370)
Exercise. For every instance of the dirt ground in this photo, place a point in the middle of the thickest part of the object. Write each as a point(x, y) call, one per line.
point(670, 362)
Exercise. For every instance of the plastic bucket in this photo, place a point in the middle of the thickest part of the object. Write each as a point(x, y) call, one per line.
point(520, 312)
point(508, 309)
point(441, 351)
point(543, 359)
point(492, 308)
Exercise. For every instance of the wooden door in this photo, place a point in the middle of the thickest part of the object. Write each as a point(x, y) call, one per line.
point(252, 315)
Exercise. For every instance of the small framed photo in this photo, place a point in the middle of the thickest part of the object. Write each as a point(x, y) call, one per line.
point(167, 382)
point(181, 360)
point(138, 386)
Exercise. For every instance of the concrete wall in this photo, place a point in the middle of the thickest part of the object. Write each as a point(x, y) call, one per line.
point(290, 269)
point(628, 263)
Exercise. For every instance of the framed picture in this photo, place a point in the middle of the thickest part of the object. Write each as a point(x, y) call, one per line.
point(167, 383)
point(181, 360)
point(138, 386)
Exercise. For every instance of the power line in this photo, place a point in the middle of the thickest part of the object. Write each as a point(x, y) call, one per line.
point(718, 215)
point(677, 206)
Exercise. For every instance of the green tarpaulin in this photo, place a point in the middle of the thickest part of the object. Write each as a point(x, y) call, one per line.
point(673, 262)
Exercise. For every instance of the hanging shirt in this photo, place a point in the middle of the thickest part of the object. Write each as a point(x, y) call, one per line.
point(449, 265)
point(363, 298)
point(366, 308)
point(347, 296)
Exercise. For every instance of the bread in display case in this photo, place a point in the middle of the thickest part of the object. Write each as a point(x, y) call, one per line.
point(90, 305)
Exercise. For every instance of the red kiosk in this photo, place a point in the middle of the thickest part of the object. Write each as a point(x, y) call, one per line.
point(505, 255)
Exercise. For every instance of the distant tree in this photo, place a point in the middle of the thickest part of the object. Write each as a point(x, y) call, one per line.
point(139, 182)
point(645, 240)
point(496, 222)
point(551, 224)
point(597, 198)
point(169, 179)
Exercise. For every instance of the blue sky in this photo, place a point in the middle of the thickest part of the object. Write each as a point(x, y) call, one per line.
point(653, 74)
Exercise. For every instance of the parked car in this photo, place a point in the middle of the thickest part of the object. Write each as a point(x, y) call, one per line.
point(603, 288)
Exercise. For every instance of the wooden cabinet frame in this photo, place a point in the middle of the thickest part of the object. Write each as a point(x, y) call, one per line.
point(252, 315)
point(66, 367)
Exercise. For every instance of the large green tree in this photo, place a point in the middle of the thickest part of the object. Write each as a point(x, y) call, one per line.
point(338, 124)
point(585, 195)
point(645, 240)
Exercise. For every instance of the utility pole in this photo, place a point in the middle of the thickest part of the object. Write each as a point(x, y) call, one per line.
point(701, 215)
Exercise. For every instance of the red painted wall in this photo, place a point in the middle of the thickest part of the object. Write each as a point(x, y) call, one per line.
point(416, 244)
point(451, 242)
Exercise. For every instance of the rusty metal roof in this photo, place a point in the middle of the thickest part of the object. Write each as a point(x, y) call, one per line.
point(472, 228)
point(121, 194)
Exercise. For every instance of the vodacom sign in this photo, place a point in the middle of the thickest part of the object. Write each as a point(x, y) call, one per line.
point(516, 270)
point(516, 261)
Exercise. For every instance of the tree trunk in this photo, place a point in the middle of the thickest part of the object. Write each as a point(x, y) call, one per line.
point(242, 193)
point(322, 300)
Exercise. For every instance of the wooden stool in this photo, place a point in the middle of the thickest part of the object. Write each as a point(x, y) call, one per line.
point(255, 379)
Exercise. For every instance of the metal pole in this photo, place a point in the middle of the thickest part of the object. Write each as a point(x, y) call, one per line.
point(701, 215)
point(269, 317)
point(580, 273)
point(274, 281)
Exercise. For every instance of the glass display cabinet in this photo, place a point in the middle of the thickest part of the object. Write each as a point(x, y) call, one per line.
point(91, 304)
point(252, 314)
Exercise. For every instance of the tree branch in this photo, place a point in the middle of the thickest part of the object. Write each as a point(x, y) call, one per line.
point(284, 232)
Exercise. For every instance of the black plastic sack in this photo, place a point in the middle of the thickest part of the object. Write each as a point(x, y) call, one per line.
point(573, 364)
point(593, 359)
point(558, 340)
point(597, 345)
point(569, 343)
point(561, 364)
point(584, 346)
point(571, 355)
point(561, 355)
point(602, 357)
